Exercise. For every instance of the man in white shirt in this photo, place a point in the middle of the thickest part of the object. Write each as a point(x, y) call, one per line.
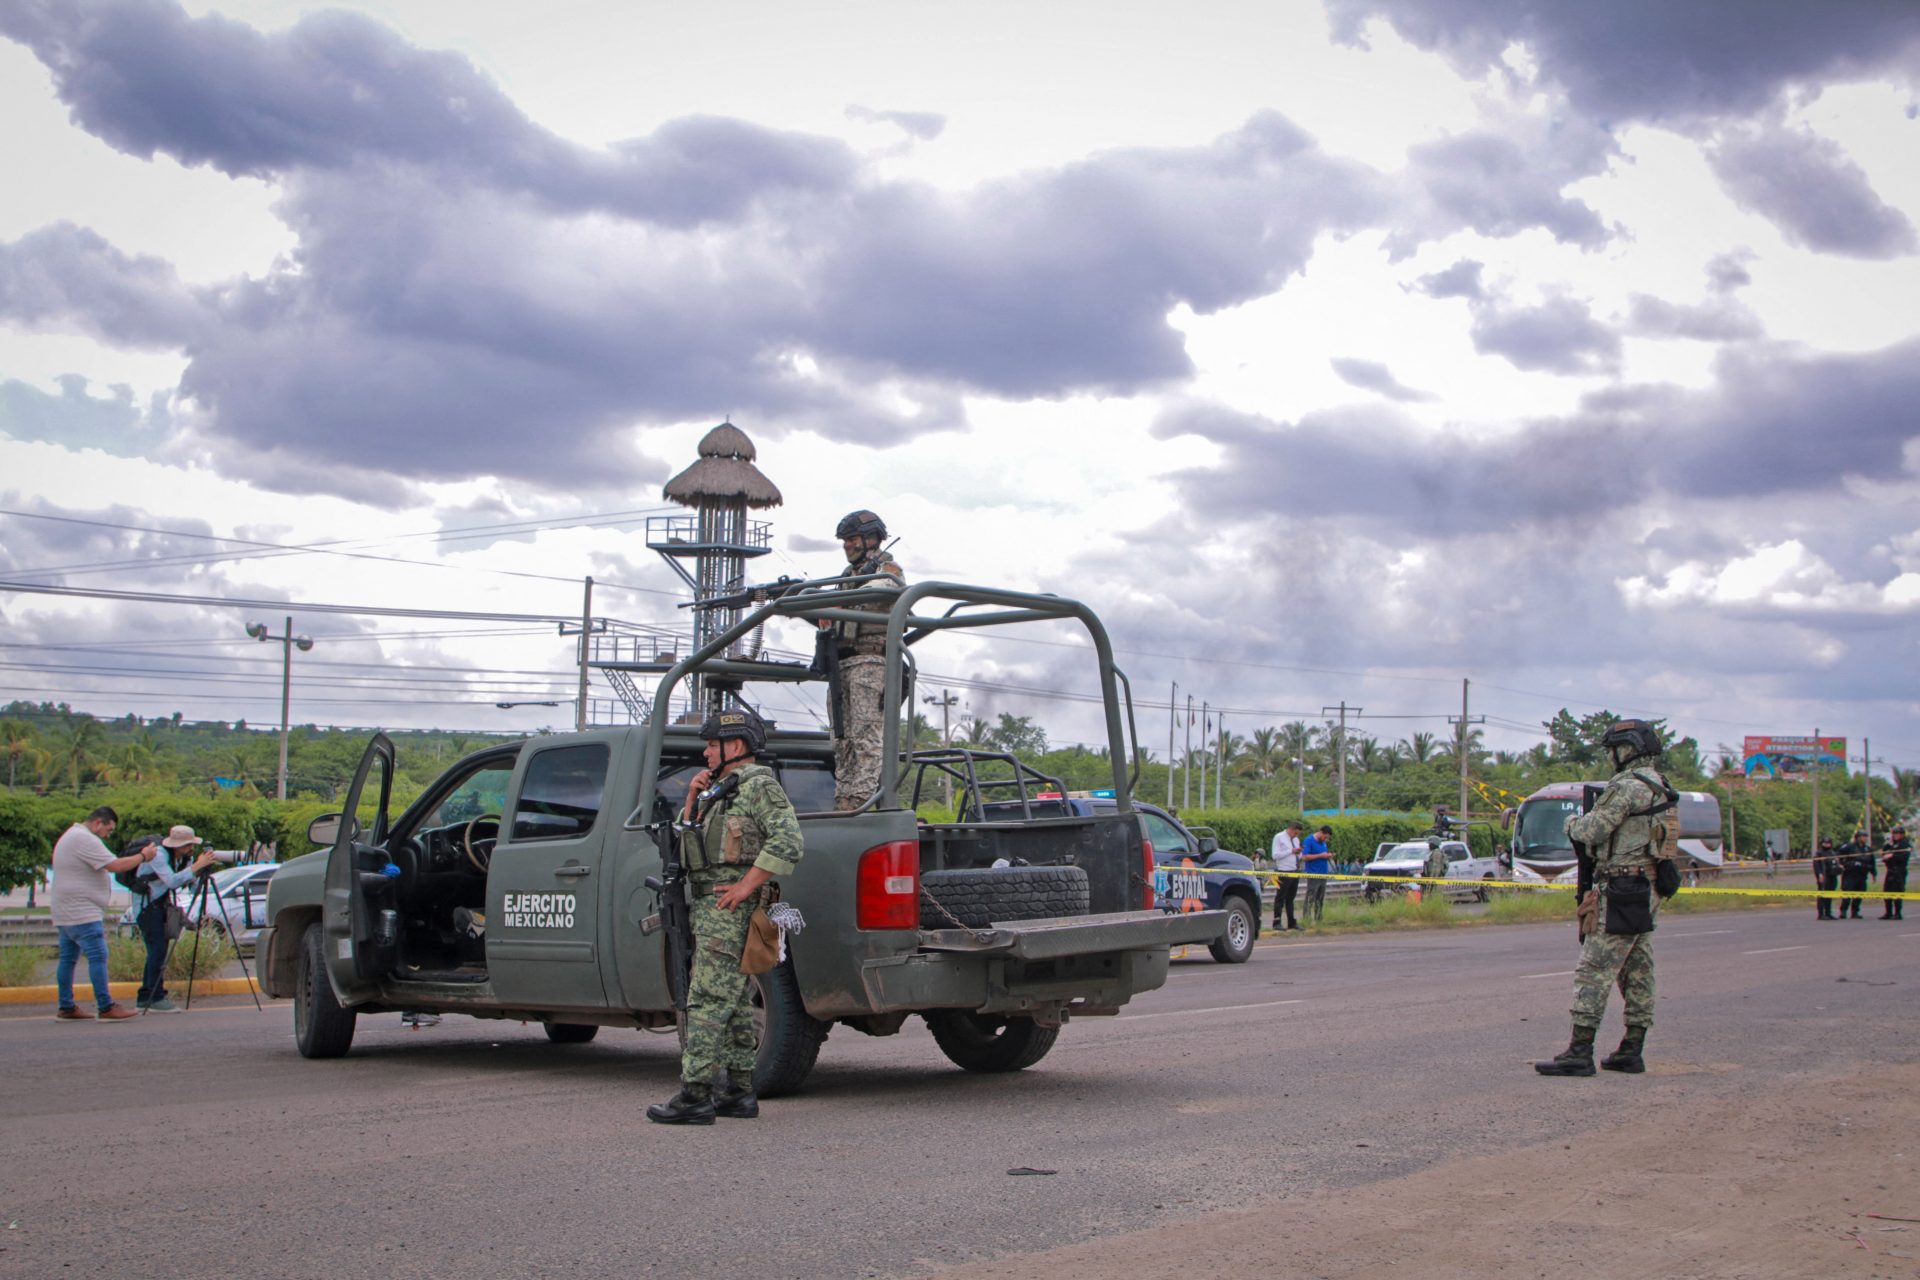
point(81, 894)
point(1286, 859)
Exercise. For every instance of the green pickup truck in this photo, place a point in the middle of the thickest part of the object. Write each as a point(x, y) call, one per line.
point(518, 884)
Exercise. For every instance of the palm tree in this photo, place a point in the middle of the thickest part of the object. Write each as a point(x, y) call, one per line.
point(1265, 753)
point(17, 737)
point(73, 748)
point(128, 761)
point(1368, 754)
point(1419, 748)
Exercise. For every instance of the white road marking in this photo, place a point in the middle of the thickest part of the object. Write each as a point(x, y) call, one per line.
point(1767, 951)
point(1182, 1013)
point(1564, 973)
point(1705, 933)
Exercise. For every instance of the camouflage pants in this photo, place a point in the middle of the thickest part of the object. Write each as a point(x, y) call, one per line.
point(1607, 960)
point(719, 1013)
point(856, 757)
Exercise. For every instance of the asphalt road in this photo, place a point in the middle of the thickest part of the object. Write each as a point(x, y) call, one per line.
point(203, 1145)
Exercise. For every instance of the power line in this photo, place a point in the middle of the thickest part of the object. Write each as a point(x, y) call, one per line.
point(285, 606)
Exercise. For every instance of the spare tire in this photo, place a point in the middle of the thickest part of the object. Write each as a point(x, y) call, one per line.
point(992, 895)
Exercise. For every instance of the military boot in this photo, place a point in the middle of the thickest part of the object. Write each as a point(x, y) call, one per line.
point(684, 1107)
point(1576, 1061)
point(1627, 1057)
point(737, 1100)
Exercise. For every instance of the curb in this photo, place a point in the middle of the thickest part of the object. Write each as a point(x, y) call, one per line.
point(50, 994)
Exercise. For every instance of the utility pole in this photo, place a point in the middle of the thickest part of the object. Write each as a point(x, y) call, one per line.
point(1460, 745)
point(586, 631)
point(1300, 764)
point(1186, 761)
point(1219, 759)
point(1206, 749)
point(1866, 762)
point(946, 702)
point(1340, 748)
point(1173, 715)
point(288, 643)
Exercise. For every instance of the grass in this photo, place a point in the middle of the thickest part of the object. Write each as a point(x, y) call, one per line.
point(20, 965)
point(215, 953)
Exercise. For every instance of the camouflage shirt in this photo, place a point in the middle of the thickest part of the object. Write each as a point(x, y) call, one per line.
point(1620, 840)
point(753, 826)
point(868, 637)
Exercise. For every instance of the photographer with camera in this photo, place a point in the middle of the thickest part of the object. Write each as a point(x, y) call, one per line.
point(160, 919)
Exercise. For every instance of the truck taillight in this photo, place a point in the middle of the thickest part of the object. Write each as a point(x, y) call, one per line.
point(1146, 870)
point(887, 887)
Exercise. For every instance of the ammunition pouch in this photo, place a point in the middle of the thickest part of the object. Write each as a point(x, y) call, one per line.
point(1666, 877)
point(1629, 905)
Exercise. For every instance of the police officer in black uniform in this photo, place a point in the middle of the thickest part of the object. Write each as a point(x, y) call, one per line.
point(1825, 876)
point(1895, 854)
point(1856, 869)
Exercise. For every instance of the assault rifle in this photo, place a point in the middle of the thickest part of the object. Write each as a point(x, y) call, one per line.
point(670, 899)
point(758, 593)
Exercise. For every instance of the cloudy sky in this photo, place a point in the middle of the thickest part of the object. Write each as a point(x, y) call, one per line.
point(1331, 349)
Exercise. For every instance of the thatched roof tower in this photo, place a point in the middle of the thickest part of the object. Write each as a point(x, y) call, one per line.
point(723, 473)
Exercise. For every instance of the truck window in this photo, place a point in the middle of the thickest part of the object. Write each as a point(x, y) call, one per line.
point(560, 795)
point(481, 792)
point(1164, 836)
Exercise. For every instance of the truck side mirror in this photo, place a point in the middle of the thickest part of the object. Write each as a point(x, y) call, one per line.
point(1207, 844)
point(325, 829)
point(1506, 819)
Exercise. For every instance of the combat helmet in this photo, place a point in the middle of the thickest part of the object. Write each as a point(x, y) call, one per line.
point(736, 722)
point(863, 523)
point(1631, 739)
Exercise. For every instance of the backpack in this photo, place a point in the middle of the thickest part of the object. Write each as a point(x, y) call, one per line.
point(131, 880)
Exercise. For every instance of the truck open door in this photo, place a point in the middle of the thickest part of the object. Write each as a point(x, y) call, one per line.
point(359, 895)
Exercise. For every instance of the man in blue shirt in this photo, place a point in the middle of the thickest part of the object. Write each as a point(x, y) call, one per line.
point(1316, 859)
point(157, 880)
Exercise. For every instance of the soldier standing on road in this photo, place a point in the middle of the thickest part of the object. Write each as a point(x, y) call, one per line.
point(1619, 947)
point(1895, 854)
point(746, 833)
point(1856, 869)
point(1824, 878)
point(862, 648)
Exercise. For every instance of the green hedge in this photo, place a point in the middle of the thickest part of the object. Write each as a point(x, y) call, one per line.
point(1355, 837)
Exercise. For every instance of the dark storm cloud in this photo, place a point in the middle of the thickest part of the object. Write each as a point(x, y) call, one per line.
point(1461, 280)
point(1718, 321)
point(1776, 424)
point(114, 422)
point(924, 125)
point(1807, 186)
point(1658, 60)
point(1371, 375)
point(1560, 335)
point(46, 542)
point(67, 277)
point(338, 90)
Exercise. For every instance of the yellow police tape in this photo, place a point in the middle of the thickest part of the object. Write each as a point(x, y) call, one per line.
point(1391, 882)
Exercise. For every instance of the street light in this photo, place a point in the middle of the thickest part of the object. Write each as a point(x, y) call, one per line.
point(1303, 766)
point(507, 706)
point(288, 643)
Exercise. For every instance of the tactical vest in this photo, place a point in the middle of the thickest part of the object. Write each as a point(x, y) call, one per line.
point(1639, 840)
point(724, 838)
point(863, 639)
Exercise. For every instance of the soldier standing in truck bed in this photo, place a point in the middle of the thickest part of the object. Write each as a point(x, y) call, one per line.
point(862, 648)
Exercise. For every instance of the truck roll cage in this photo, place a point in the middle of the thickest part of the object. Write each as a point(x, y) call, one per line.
point(909, 619)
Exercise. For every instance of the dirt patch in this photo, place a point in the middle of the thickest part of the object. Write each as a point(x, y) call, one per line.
point(1725, 1187)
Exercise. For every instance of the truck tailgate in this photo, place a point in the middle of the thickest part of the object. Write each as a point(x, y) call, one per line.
point(1080, 935)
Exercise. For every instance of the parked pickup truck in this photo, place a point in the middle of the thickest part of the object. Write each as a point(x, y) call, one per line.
point(518, 884)
point(1191, 871)
point(1412, 858)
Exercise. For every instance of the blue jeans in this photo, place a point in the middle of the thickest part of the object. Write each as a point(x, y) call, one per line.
point(75, 939)
point(153, 931)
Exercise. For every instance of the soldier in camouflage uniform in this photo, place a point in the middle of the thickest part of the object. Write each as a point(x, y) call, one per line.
point(745, 834)
point(1619, 832)
point(862, 648)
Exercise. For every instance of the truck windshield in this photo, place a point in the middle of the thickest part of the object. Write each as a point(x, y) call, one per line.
point(1543, 826)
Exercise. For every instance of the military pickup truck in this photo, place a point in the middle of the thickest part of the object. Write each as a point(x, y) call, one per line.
point(525, 882)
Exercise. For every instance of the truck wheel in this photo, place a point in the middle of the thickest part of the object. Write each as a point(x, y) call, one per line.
point(571, 1032)
point(321, 1028)
point(790, 1037)
point(1235, 946)
point(982, 896)
point(989, 1042)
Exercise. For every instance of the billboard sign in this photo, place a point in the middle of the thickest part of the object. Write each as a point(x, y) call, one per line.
point(1780, 756)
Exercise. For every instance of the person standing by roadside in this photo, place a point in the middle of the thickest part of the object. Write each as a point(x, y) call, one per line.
point(1286, 861)
point(81, 894)
point(1316, 859)
point(157, 880)
point(1825, 863)
point(1895, 854)
point(1856, 870)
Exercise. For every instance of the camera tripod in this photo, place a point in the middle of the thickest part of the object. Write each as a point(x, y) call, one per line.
point(201, 892)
